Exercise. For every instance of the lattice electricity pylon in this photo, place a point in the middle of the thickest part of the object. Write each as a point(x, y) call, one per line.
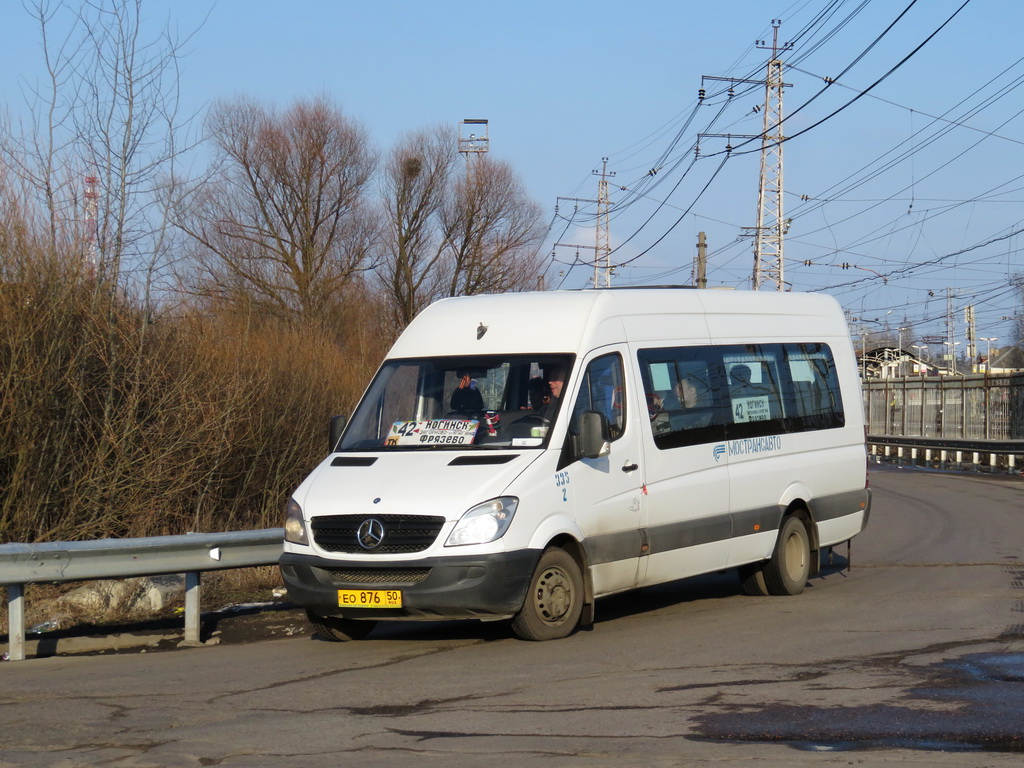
point(769, 233)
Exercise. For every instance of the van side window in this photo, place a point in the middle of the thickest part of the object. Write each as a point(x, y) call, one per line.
point(683, 388)
point(753, 384)
point(602, 390)
point(703, 394)
point(814, 400)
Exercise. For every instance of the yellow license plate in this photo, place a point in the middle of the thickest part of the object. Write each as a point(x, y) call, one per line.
point(369, 598)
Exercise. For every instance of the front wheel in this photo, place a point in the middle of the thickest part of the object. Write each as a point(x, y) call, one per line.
point(787, 571)
point(554, 601)
point(340, 630)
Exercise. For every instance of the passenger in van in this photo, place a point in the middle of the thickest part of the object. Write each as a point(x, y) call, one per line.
point(741, 380)
point(543, 394)
point(740, 375)
point(752, 400)
point(694, 405)
point(466, 396)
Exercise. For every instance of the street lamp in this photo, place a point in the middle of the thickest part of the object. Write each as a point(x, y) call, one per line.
point(988, 354)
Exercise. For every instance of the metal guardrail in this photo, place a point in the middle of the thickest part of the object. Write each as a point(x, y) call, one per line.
point(191, 554)
point(999, 454)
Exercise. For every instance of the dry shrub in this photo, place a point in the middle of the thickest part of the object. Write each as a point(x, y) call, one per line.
point(115, 422)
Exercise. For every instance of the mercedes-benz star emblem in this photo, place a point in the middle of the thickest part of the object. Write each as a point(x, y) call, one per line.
point(370, 533)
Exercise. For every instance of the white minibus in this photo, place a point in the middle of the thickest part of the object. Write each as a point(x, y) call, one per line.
point(519, 456)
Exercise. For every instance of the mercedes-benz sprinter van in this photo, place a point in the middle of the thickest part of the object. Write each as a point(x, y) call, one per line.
point(518, 456)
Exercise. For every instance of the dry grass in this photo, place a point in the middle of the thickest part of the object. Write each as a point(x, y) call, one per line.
point(118, 423)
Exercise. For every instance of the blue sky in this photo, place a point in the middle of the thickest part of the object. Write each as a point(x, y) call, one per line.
point(913, 186)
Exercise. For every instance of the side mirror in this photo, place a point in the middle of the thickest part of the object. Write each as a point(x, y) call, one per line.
point(594, 435)
point(334, 433)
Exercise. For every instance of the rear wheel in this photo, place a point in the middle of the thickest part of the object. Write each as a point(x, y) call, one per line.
point(338, 629)
point(554, 601)
point(752, 579)
point(787, 571)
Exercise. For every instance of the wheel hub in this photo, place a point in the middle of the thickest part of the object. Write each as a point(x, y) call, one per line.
point(554, 596)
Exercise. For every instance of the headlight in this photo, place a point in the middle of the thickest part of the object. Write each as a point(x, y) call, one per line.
point(294, 525)
point(484, 522)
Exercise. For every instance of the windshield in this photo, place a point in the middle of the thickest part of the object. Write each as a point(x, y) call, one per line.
point(460, 402)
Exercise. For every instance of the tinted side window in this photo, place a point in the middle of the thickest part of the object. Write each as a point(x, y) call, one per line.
point(812, 399)
point(705, 394)
point(685, 398)
point(755, 375)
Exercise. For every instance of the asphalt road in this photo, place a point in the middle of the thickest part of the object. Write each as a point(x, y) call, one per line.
point(914, 656)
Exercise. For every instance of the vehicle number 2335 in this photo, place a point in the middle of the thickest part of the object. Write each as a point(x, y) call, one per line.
point(562, 483)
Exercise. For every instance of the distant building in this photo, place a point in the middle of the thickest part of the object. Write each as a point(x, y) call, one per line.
point(888, 362)
point(1007, 360)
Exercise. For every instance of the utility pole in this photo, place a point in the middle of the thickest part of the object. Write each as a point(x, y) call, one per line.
point(769, 234)
point(473, 139)
point(603, 247)
point(602, 238)
point(950, 329)
point(702, 260)
point(771, 227)
point(972, 343)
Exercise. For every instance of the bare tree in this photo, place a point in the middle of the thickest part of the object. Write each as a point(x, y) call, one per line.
point(101, 134)
point(453, 228)
point(416, 187)
point(493, 231)
point(38, 146)
point(284, 222)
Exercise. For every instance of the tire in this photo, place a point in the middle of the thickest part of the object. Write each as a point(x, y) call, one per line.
point(340, 630)
point(787, 571)
point(554, 601)
point(752, 580)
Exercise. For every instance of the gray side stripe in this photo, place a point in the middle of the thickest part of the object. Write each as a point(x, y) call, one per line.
point(624, 545)
point(665, 538)
point(840, 505)
point(609, 547)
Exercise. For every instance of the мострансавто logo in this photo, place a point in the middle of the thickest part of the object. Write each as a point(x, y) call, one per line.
point(747, 446)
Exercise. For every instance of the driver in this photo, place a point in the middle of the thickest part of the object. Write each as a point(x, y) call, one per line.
point(554, 375)
point(538, 393)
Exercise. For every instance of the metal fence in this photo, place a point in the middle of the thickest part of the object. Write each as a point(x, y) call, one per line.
point(983, 407)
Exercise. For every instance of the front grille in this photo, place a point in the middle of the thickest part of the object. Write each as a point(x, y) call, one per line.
point(402, 533)
point(396, 576)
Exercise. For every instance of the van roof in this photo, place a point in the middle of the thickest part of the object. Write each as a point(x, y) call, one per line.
point(542, 322)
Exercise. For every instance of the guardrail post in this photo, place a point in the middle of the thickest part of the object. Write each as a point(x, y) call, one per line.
point(16, 622)
point(192, 609)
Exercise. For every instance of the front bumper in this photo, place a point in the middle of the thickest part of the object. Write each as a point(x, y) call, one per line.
point(458, 587)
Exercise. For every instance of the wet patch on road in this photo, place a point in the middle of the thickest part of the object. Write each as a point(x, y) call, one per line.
point(981, 698)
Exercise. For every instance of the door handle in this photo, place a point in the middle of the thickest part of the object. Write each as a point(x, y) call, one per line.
point(630, 467)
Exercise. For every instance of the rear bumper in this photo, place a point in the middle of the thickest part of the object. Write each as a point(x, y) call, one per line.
point(488, 586)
